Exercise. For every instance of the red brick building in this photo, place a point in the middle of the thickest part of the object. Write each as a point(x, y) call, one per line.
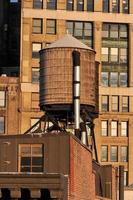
point(52, 166)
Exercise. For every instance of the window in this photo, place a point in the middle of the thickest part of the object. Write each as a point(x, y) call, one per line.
point(70, 4)
point(105, 30)
point(105, 54)
point(115, 6)
point(115, 103)
point(51, 26)
point(114, 79)
point(80, 5)
point(35, 75)
point(37, 26)
point(31, 158)
point(124, 129)
point(90, 5)
point(36, 47)
point(2, 125)
point(105, 78)
point(114, 55)
point(123, 154)
point(37, 4)
point(123, 29)
point(104, 153)
point(105, 5)
point(105, 103)
point(104, 128)
point(52, 4)
point(114, 128)
point(80, 30)
point(114, 33)
point(2, 98)
point(35, 100)
point(114, 154)
point(123, 55)
point(125, 104)
point(125, 6)
point(123, 79)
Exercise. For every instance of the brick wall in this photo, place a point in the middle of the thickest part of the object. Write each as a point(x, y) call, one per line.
point(82, 178)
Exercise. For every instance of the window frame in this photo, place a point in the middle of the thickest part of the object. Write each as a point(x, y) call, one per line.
point(105, 8)
point(2, 98)
point(114, 128)
point(124, 129)
point(125, 106)
point(124, 155)
point(104, 128)
point(115, 103)
point(53, 28)
point(35, 54)
point(104, 158)
point(116, 153)
point(80, 7)
point(2, 123)
point(90, 5)
point(31, 156)
point(35, 27)
point(70, 5)
point(52, 5)
point(35, 75)
point(105, 103)
point(37, 4)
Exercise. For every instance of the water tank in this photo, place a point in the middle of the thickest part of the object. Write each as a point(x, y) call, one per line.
point(56, 75)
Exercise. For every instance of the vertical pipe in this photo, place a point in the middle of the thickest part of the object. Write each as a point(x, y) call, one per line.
point(76, 91)
point(121, 182)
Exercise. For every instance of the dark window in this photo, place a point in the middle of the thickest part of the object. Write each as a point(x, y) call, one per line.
point(125, 104)
point(114, 79)
point(125, 6)
point(35, 75)
point(90, 5)
point(2, 98)
point(104, 128)
point(70, 4)
point(51, 26)
point(104, 153)
point(37, 4)
point(123, 154)
point(115, 6)
point(115, 103)
point(114, 154)
point(37, 26)
point(105, 5)
point(2, 125)
point(80, 5)
point(105, 103)
point(36, 47)
point(52, 4)
point(31, 158)
point(105, 79)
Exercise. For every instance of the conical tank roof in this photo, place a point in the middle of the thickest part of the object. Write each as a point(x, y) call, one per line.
point(68, 41)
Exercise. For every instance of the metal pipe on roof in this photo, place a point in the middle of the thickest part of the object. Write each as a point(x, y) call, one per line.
point(76, 91)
